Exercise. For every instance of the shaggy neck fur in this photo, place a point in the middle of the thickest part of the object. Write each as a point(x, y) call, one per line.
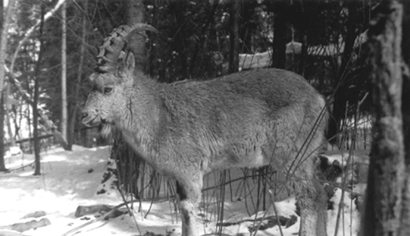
point(140, 118)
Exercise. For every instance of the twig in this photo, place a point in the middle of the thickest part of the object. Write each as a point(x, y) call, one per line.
point(128, 208)
point(71, 232)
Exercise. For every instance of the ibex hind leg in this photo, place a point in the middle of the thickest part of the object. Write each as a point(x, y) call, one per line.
point(312, 201)
point(189, 192)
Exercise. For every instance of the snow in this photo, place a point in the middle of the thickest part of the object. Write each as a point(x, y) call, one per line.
point(14, 151)
point(349, 217)
point(72, 178)
point(357, 156)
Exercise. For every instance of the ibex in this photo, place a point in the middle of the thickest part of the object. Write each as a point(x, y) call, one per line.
point(187, 129)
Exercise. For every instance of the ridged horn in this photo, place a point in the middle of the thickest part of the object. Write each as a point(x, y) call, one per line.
point(116, 42)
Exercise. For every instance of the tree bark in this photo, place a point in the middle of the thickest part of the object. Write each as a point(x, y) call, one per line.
point(405, 108)
point(8, 118)
point(383, 201)
point(2, 110)
point(135, 14)
point(64, 123)
point(75, 108)
point(2, 164)
point(3, 45)
point(37, 170)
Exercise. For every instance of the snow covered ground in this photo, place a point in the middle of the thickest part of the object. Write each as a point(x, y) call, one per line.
point(71, 179)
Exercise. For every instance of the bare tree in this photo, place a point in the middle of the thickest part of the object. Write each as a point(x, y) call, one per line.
point(64, 71)
point(2, 164)
point(37, 162)
point(382, 214)
point(135, 14)
point(75, 108)
point(405, 218)
point(3, 46)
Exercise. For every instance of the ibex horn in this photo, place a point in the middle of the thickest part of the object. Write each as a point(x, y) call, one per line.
point(115, 43)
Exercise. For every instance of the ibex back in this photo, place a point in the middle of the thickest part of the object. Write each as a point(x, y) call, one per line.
point(186, 129)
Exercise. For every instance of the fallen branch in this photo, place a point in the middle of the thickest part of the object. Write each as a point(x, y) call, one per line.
point(36, 214)
point(270, 221)
point(33, 224)
point(103, 217)
point(10, 233)
point(31, 164)
point(101, 208)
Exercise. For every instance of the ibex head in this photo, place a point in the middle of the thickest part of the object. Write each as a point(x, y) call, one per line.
point(113, 77)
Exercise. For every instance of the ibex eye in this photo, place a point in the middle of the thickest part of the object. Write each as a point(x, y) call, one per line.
point(107, 90)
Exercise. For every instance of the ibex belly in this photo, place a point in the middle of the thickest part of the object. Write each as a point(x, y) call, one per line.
point(252, 157)
point(234, 160)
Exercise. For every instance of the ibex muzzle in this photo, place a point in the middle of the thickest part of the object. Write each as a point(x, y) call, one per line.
point(186, 129)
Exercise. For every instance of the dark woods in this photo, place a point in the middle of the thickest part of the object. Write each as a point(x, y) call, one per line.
point(321, 40)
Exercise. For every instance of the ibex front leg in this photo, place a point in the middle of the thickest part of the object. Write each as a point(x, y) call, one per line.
point(189, 191)
point(312, 201)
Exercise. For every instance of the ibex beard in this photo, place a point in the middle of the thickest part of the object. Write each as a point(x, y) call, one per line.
point(187, 129)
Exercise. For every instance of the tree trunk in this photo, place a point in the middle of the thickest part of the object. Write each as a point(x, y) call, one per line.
point(64, 72)
point(234, 36)
point(405, 221)
point(75, 108)
point(2, 110)
point(405, 108)
point(8, 118)
point(2, 164)
point(3, 45)
point(36, 135)
point(383, 201)
point(304, 41)
point(304, 53)
point(279, 39)
point(135, 14)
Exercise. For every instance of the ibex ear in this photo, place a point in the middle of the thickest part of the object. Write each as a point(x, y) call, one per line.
point(130, 61)
point(127, 63)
